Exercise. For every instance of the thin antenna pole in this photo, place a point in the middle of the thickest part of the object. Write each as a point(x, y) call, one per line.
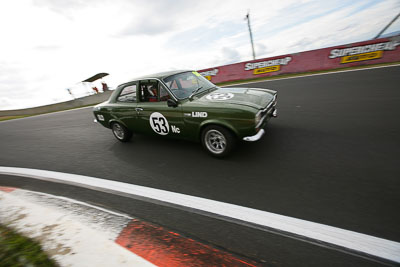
point(251, 35)
point(387, 26)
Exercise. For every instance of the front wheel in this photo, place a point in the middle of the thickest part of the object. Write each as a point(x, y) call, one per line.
point(217, 140)
point(121, 132)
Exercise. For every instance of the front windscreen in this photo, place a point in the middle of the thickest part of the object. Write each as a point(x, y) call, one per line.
point(183, 85)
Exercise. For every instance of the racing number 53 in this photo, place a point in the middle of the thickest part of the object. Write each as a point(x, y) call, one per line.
point(160, 128)
point(159, 123)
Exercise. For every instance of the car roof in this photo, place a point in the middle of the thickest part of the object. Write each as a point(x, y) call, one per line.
point(159, 75)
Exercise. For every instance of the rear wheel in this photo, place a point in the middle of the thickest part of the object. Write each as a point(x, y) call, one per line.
point(217, 140)
point(121, 132)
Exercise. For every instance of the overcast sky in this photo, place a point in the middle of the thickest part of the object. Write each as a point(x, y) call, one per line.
point(50, 45)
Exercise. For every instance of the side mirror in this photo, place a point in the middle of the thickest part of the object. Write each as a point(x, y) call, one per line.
point(172, 103)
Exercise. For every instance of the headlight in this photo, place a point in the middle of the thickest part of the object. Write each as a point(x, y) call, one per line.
point(100, 117)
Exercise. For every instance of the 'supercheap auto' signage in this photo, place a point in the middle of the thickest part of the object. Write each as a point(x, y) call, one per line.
point(208, 74)
point(267, 66)
point(364, 52)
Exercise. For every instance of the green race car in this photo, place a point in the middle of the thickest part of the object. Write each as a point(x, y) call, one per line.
point(183, 104)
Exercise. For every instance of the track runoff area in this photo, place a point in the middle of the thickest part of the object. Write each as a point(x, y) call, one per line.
point(377, 249)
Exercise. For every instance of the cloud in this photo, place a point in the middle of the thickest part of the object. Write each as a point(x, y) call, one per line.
point(230, 55)
point(22, 87)
point(155, 17)
point(64, 7)
point(5, 103)
point(260, 49)
point(227, 55)
point(149, 26)
point(47, 47)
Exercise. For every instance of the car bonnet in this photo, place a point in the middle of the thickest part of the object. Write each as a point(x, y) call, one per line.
point(252, 97)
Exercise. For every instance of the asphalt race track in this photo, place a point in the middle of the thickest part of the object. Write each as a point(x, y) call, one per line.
point(330, 157)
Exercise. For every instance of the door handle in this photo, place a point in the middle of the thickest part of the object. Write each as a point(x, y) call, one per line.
point(138, 109)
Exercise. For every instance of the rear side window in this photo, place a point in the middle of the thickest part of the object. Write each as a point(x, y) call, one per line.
point(128, 94)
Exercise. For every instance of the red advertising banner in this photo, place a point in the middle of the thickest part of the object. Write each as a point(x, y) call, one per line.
point(362, 53)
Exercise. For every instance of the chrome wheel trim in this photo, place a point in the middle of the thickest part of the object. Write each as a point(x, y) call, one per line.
point(215, 141)
point(118, 131)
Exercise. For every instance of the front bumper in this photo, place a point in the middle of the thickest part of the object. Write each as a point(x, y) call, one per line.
point(269, 112)
point(255, 137)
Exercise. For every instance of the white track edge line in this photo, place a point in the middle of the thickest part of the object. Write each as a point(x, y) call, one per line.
point(374, 246)
point(63, 229)
point(78, 202)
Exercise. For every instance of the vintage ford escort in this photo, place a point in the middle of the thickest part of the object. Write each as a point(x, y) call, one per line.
point(183, 104)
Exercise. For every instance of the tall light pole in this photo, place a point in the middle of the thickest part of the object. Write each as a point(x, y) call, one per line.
point(251, 35)
point(387, 26)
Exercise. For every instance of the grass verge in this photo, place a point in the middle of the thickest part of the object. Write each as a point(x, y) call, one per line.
point(5, 118)
point(17, 250)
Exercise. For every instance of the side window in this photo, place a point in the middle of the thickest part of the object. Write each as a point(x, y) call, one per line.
point(152, 91)
point(128, 94)
point(164, 96)
point(148, 91)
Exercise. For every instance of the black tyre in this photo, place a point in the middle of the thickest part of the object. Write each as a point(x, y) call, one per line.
point(121, 132)
point(217, 140)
